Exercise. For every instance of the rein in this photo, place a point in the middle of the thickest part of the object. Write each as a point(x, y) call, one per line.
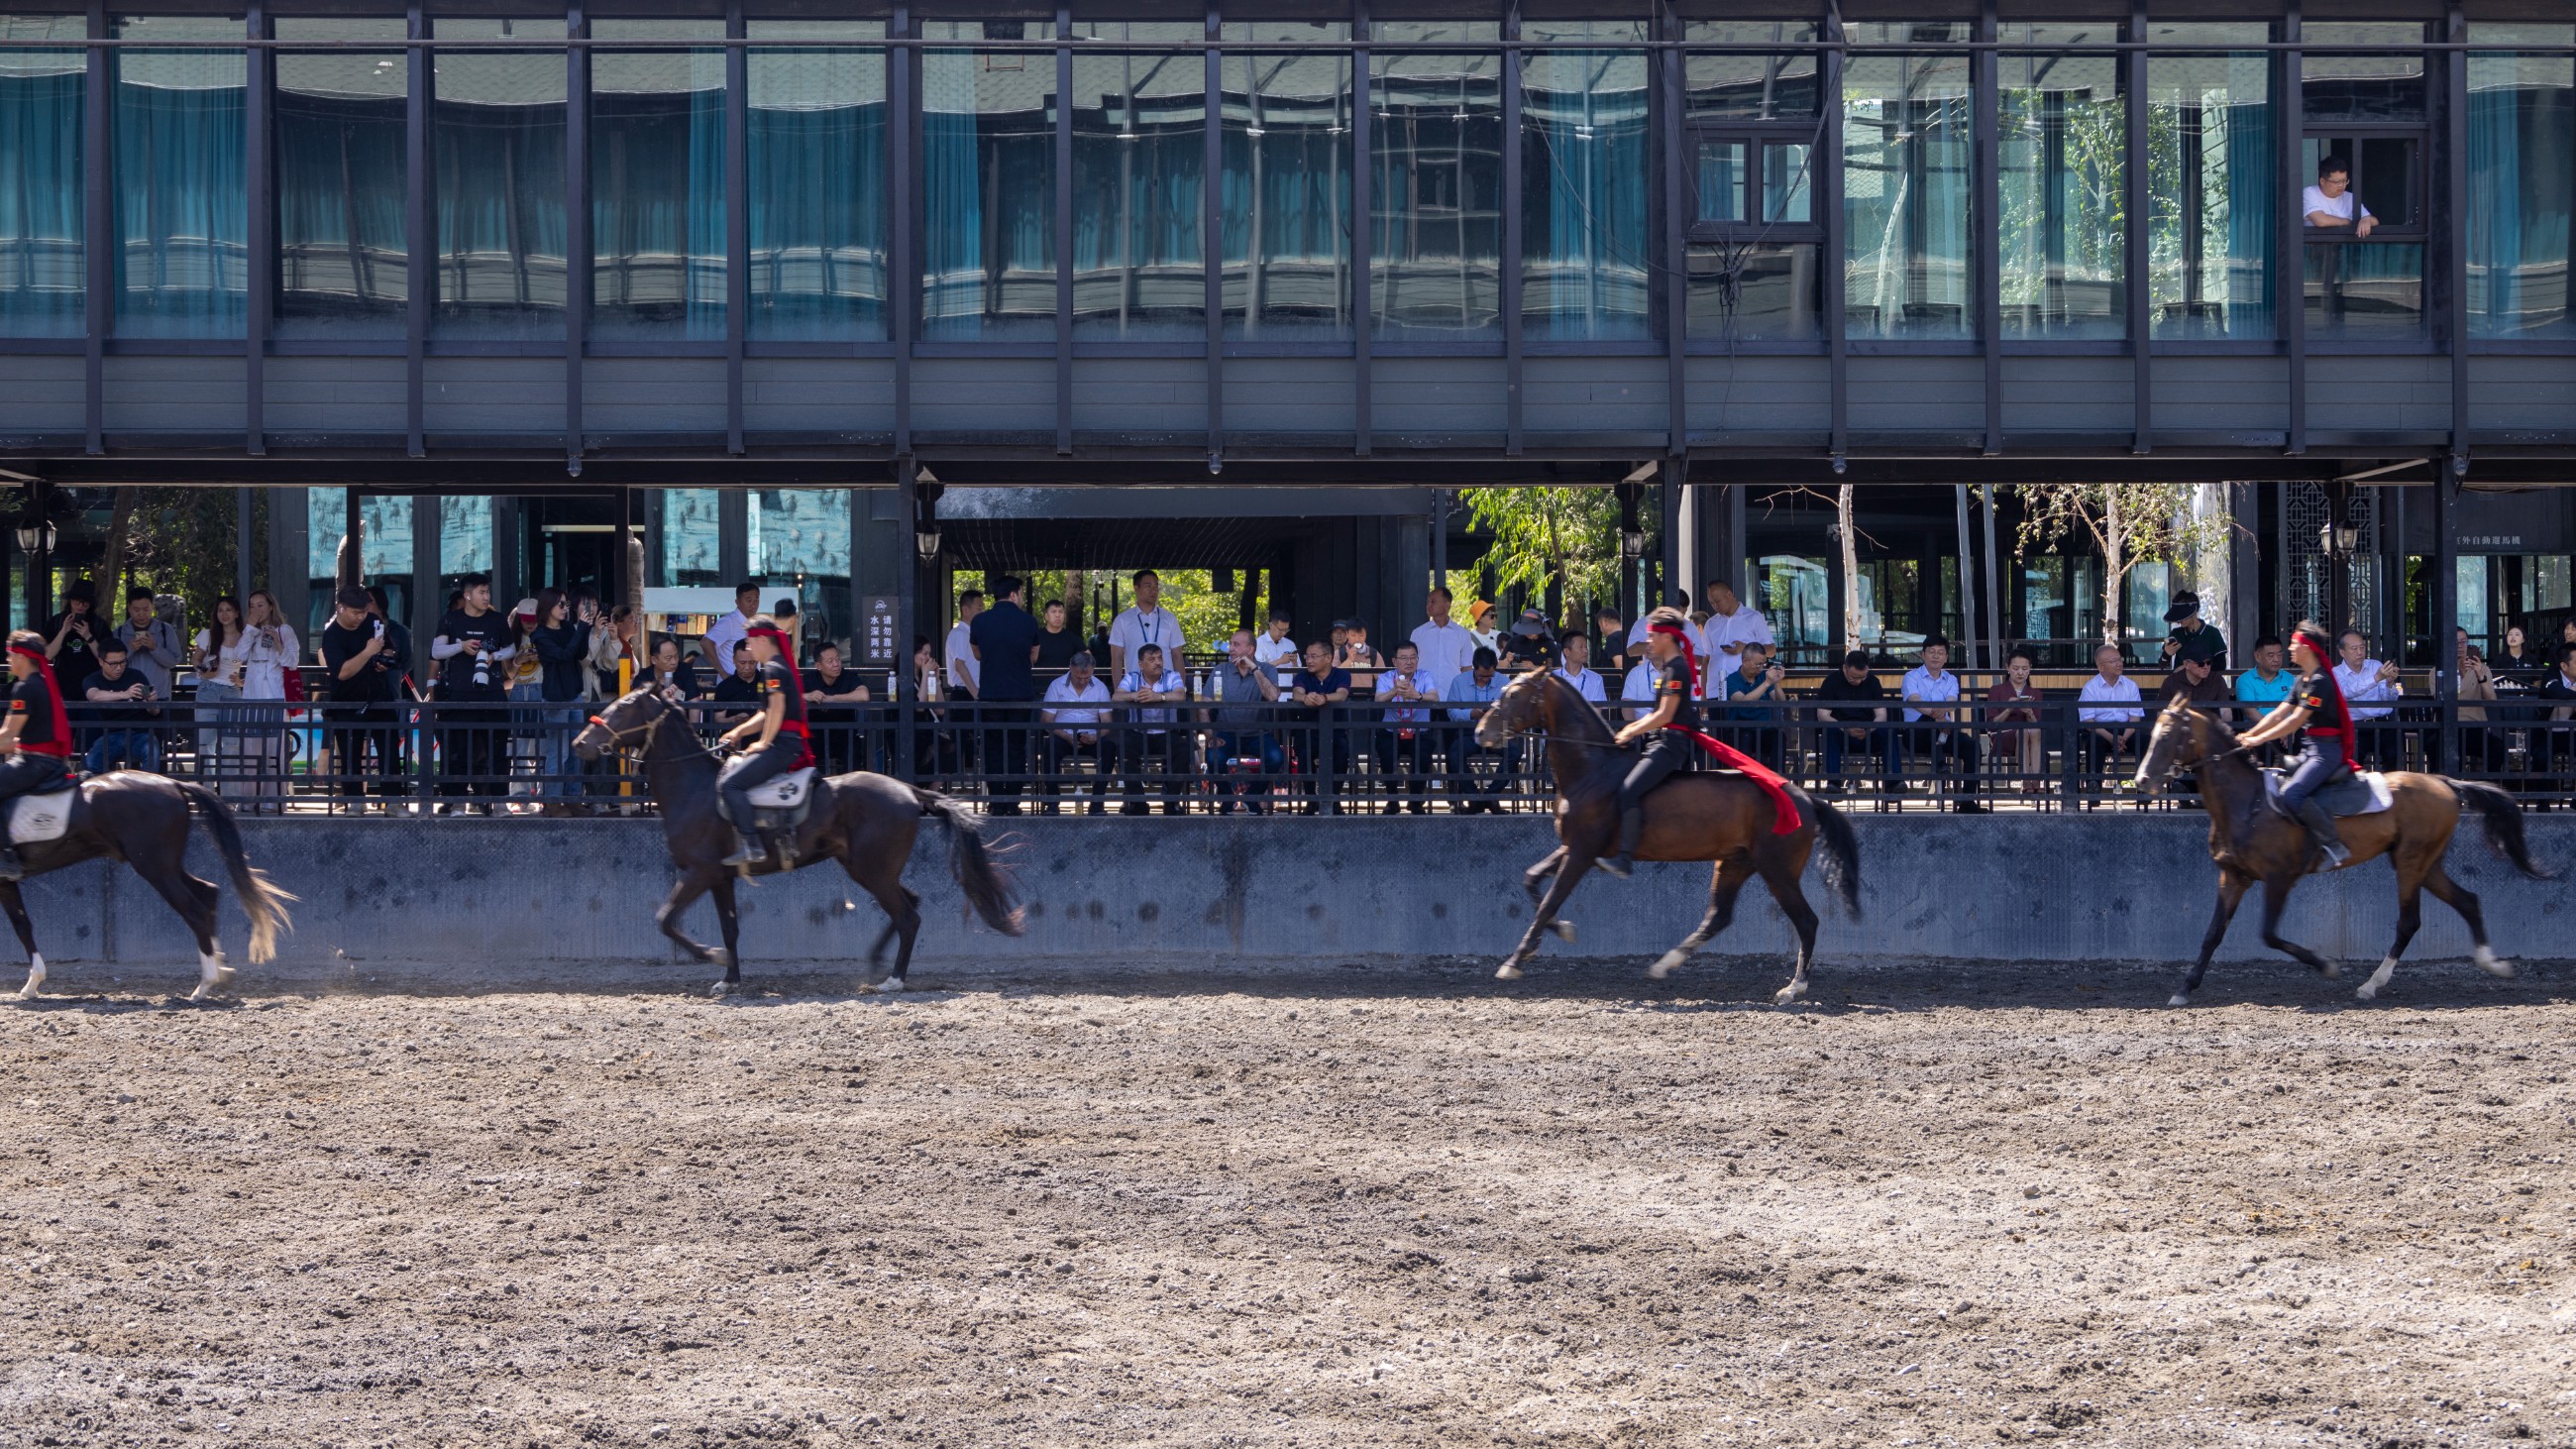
point(645, 734)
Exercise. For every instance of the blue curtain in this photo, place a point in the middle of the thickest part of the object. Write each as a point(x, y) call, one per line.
point(500, 189)
point(2253, 212)
point(342, 252)
point(1584, 180)
point(181, 208)
point(1284, 209)
point(2522, 167)
point(988, 203)
point(657, 196)
point(42, 280)
point(1139, 172)
point(817, 189)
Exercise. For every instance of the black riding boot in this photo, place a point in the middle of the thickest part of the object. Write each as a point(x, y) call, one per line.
point(749, 849)
point(2321, 829)
point(1632, 828)
point(11, 869)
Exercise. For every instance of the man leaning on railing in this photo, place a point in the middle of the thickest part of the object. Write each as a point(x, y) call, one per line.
point(1246, 690)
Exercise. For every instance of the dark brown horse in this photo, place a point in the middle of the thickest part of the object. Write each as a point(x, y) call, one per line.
point(867, 822)
point(143, 820)
point(1714, 815)
point(2252, 842)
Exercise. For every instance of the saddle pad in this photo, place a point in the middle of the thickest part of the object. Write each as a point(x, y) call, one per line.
point(784, 793)
point(2364, 792)
point(34, 819)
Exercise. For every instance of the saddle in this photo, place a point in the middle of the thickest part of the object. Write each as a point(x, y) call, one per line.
point(780, 805)
point(42, 815)
point(2360, 792)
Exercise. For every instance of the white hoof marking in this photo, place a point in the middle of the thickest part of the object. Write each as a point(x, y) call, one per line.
point(1564, 930)
point(1787, 994)
point(212, 974)
point(35, 978)
point(2178, 999)
point(1664, 965)
point(1508, 973)
point(2489, 963)
point(2369, 990)
point(891, 983)
point(720, 956)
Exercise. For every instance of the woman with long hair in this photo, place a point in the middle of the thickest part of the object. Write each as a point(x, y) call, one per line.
point(526, 693)
point(270, 651)
point(221, 650)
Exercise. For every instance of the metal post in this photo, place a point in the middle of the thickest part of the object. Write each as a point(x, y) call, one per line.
point(1668, 110)
point(1510, 289)
point(1837, 348)
point(242, 542)
point(577, 239)
point(259, 232)
point(1985, 245)
point(2452, 244)
point(2290, 289)
point(1994, 592)
point(99, 217)
point(1439, 538)
point(2446, 617)
point(737, 184)
point(419, 232)
point(903, 280)
point(1211, 248)
point(1363, 243)
point(1967, 579)
point(1063, 231)
point(2141, 318)
point(907, 620)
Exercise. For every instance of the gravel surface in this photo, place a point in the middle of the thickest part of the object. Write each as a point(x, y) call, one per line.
point(1350, 1208)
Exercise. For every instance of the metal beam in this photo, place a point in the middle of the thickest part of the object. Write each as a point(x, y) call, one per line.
point(1363, 240)
point(2290, 289)
point(2135, 262)
point(1837, 348)
point(577, 239)
point(260, 230)
point(2451, 247)
point(1985, 245)
point(1211, 239)
point(1063, 229)
point(1510, 289)
point(903, 282)
point(1668, 112)
point(737, 186)
point(419, 230)
point(99, 221)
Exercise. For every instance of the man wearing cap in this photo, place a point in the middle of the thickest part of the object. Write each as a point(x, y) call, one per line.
point(2192, 638)
point(1441, 646)
point(1529, 645)
point(784, 742)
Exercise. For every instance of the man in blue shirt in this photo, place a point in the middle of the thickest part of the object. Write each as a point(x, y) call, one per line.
point(1481, 682)
point(1753, 694)
point(1005, 640)
point(1321, 689)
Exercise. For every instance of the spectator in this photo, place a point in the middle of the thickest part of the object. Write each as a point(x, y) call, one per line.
point(1274, 647)
point(2108, 712)
point(2517, 660)
point(1322, 689)
point(1355, 653)
point(1754, 692)
point(273, 650)
point(71, 637)
point(2265, 685)
point(617, 644)
point(562, 643)
point(1340, 635)
point(2365, 682)
point(1576, 647)
point(473, 648)
point(1637, 692)
point(397, 656)
point(2480, 746)
point(355, 646)
point(1442, 645)
point(1004, 642)
point(1529, 645)
point(1680, 600)
point(2012, 722)
point(1731, 625)
point(1480, 683)
point(120, 703)
point(1152, 734)
point(1932, 708)
point(2552, 749)
point(831, 694)
point(730, 630)
point(1614, 639)
point(934, 746)
point(1072, 717)
point(151, 644)
point(1481, 631)
point(2193, 639)
point(1145, 622)
point(784, 614)
point(1402, 746)
point(739, 688)
point(2331, 202)
point(2196, 681)
point(1245, 686)
point(961, 645)
point(667, 671)
point(220, 647)
point(1057, 644)
point(1855, 713)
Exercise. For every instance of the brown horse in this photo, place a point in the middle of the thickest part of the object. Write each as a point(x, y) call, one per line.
point(2252, 842)
point(1710, 815)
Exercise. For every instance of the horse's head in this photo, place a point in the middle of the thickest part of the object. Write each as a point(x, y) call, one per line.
point(2179, 742)
point(1521, 708)
point(627, 724)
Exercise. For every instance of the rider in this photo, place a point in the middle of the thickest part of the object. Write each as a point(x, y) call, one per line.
point(36, 737)
point(1667, 728)
point(783, 745)
point(2326, 754)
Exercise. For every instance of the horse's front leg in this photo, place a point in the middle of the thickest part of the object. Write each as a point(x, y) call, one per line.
point(1531, 881)
point(17, 908)
point(2276, 896)
point(1545, 914)
point(684, 894)
point(2231, 892)
point(729, 920)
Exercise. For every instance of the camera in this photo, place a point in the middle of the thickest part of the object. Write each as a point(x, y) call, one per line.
point(482, 668)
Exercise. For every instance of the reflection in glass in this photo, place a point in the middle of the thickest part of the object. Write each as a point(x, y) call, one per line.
point(1287, 203)
point(181, 208)
point(1139, 198)
point(817, 184)
point(1755, 292)
point(497, 146)
point(657, 156)
point(1722, 177)
point(2371, 289)
point(2213, 197)
point(2522, 166)
point(342, 268)
point(988, 186)
point(1906, 149)
point(1584, 178)
point(2376, 90)
point(42, 276)
point(2061, 243)
point(1779, 87)
point(1436, 187)
point(1788, 177)
point(799, 541)
point(689, 532)
point(464, 537)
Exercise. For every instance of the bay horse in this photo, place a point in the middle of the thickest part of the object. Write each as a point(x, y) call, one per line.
point(143, 820)
point(2252, 842)
point(1719, 816)
point(865, 821)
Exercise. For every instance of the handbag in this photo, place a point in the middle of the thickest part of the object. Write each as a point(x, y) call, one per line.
point(294, 681)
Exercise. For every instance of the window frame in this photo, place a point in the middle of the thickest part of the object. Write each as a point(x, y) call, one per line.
point(1757, 137)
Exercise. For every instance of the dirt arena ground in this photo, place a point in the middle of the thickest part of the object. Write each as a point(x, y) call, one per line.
point(1353, 1208)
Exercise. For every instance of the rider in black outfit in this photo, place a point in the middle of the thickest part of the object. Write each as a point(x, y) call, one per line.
point(783, 744)
point(2325, 753)
point(1667, 729)
point(36, 735)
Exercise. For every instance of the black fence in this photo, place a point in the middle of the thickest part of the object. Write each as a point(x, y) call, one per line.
point(1361, 757)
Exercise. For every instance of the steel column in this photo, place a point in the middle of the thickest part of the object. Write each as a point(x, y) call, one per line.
point(2290, 291)
point(2135, 261)
point(419, 259)
point(2446, 616)
point(1986, 242)
point(1063, 230)
point(2452, 242)
point(903, 283)
point(98, 213)
point(243, 542)
point(259, 232)
point(1667, 110)
point(1211, 240)
point(737, 184)
point(577, 239)
point(1837, 349)
point(1363, 240)
point(1510, 290)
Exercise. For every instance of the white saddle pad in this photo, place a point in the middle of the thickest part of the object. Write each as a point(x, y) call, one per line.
point(784, 793)
point(2380, 799)
point(34, 819)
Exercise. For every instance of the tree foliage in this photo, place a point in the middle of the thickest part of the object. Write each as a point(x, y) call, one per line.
point(178, 541)
point(2128, 523)
point(1544, 535)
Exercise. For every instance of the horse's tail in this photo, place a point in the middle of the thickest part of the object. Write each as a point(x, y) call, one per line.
point(987, 886)
point(1842, 853)
point(262, 899)
point(2503, 818)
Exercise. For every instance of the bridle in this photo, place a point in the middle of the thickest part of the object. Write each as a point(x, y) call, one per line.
point(643, 735)
point(2182, 721)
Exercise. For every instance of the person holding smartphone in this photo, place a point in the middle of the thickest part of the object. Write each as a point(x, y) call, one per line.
point(71, 637)
point(354, 644)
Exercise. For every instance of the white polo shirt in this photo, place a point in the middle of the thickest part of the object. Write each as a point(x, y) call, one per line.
point(1273, 652)
point(961, 659)
point(1440, 651)
point(1640, 689)
point(1727, 634)
point(2102, 699)
point(1587, 684)
point(1133, 629)
point(1067, 702)
point(725, 633)
point(1638, 633)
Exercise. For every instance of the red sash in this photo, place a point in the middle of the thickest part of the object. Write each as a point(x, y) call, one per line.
point(1784, 810)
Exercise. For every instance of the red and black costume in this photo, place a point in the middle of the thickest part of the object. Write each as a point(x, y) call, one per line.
point(2325, 755)
point(1670, 748)
point(793, 749)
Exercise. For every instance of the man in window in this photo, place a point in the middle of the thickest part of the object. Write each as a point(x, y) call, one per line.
point(2331, 203)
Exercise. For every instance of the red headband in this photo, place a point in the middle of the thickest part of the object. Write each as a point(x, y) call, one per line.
point(773, 635)
point(30, 650)
point(1681, 636)
point(2316, 644)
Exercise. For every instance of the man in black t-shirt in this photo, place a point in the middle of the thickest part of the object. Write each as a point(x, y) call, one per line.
point(1857, 717)
point(71, 637)
point(357, 659)
point(473, 650)
point(1005, 640)
point(740, 688)
point(1057, 644)
point(113, 696)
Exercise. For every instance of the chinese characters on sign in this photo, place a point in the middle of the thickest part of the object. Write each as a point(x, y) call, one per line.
point(876, 630)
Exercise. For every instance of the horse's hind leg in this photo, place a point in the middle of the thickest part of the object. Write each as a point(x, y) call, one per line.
point(194, 900)
point(2465, 901)
point(1802, 918)
point(1533, 881)
point(684, 894)
point(1540, 919)
point(903, 919)
point(1723, 884)
point(2276, 895)
point(16, 906)
point(729, 920)
point(2231, 893)
point(2410, 915)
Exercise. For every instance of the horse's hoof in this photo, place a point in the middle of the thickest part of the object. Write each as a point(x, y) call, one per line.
point(2489, 963)
point(891, 983)
point(2178, 999)
point(719, 956)
point(2367, 991)
point(720, 990)
point(1664, 964)
point(1787, 994)
point(1564, 930)
point(1508, 973)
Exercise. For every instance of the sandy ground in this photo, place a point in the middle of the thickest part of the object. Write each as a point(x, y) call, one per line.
point(1353, 1208)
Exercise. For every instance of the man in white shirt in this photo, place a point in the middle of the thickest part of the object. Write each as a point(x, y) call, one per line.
point(1152, 688)
point(1147, 622)
point(1072, 713)
point(2331, 202)
point(1274, 647)
point(1731, 625)
point(2364, 680)
point(2110, 707)
point(1698, 641)
point(961, 645)
point(1931, 694)
point(733, 628)
point(1576, 671)
point(1403, 743)
point(1442, 645)
point(1638, 693)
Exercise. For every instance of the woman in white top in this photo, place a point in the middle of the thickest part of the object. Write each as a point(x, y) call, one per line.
point(270, 650)
point(221, 650)
point(1482, 634)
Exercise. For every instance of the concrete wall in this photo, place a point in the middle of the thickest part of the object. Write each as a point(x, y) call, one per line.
point(569, 903)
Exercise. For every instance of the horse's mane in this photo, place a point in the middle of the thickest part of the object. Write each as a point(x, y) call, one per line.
point(1586, 723)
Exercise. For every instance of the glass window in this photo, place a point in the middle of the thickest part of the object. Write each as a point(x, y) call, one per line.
point(799, 539)
point(1745, 87)
point(1755, 291)
point(1436, 186)
point(988, 185)
point(497, 146)
point(1906, 195)
point(2213, 156)
point(817, 183)
point(657, 187)
point(1287, 202)
point(42, 264)
point(2372, 90)
point(182, 209)
point(1584, 176)
point(464, 540)
point(341, 255)
point(2062, 164)
point(2522, 166)
point(1139, 187)
point(689, 537)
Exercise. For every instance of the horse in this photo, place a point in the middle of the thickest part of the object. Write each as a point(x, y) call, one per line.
point(2252, 842)
point(143, 820)
point(1719, 816)
point(865, 821)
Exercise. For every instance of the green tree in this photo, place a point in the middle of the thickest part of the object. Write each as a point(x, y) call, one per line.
point(1544, 535)
point(2127, 523)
